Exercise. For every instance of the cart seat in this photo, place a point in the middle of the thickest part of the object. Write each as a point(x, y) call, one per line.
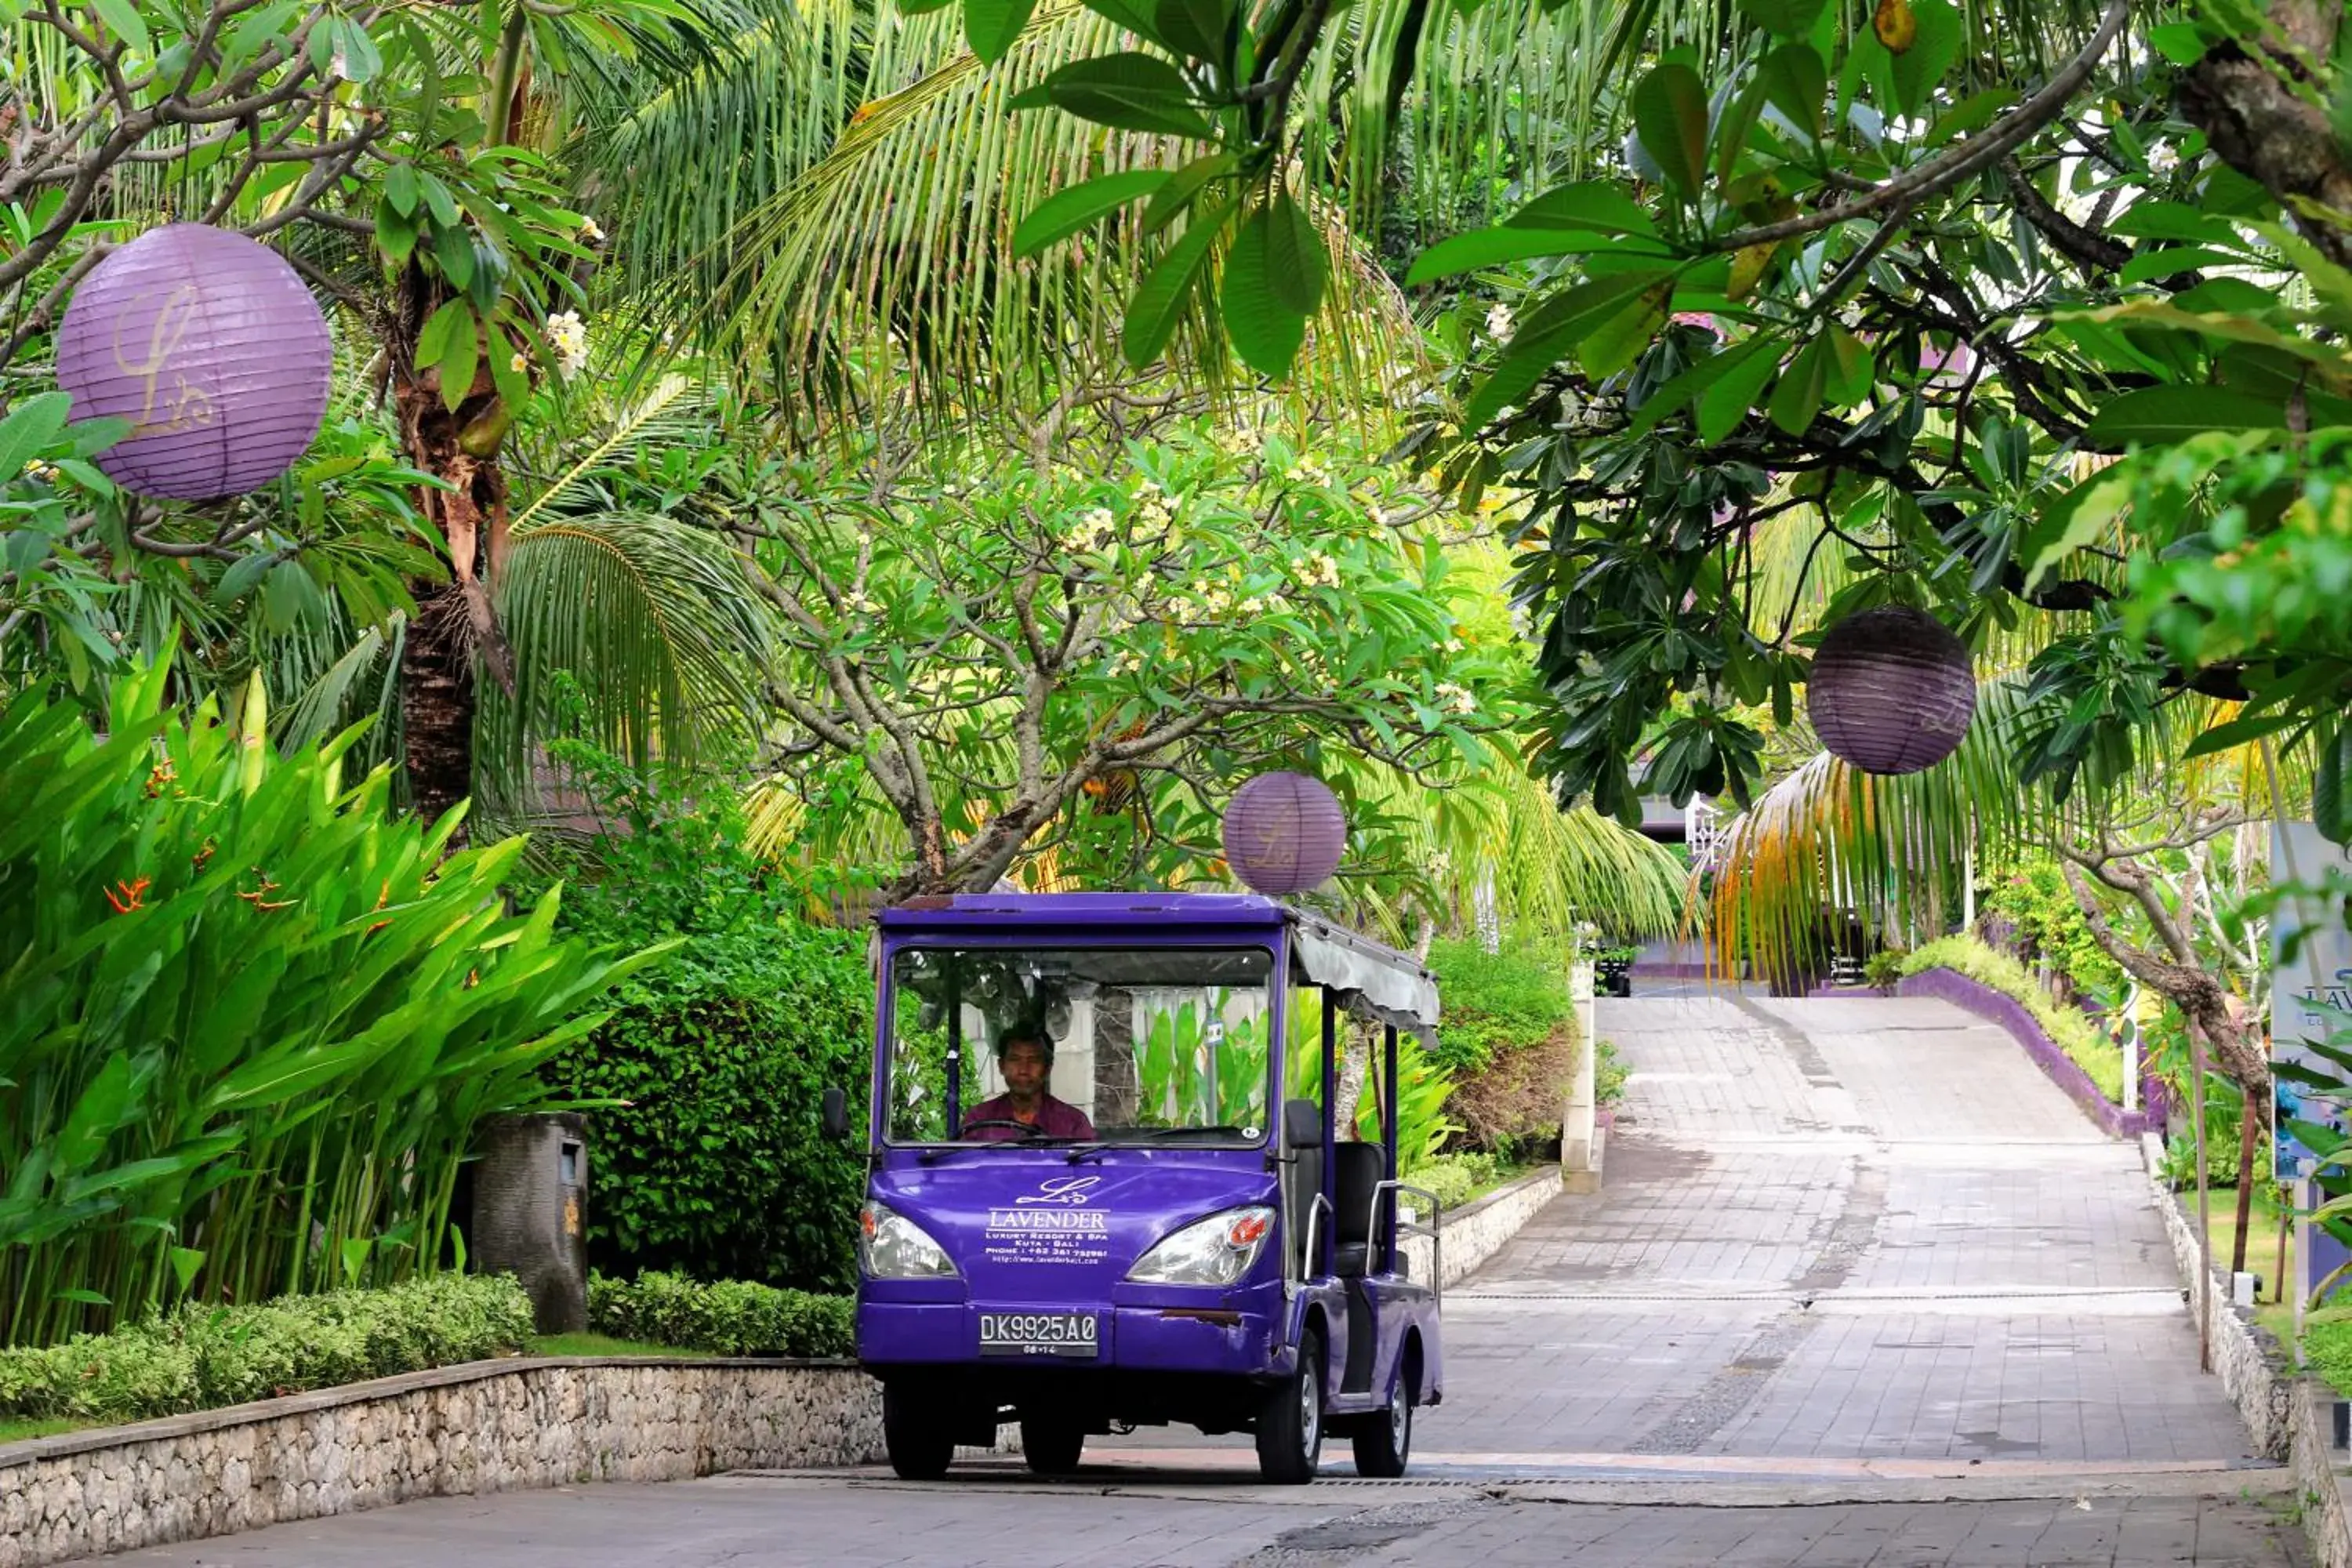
point(1356, 1177)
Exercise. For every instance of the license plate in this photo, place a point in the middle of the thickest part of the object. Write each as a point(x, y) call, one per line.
point(1037, 1334)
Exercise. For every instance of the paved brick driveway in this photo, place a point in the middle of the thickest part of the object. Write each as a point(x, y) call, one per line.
point(1865, 1289)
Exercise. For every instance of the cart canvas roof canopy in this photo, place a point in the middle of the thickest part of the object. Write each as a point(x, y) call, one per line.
point(1388, 983)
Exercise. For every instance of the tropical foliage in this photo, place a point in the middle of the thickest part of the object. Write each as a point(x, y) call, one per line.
point(253, 1017)
point(730, 1317)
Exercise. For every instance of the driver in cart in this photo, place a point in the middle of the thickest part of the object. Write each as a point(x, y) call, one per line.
point(1025, 1059)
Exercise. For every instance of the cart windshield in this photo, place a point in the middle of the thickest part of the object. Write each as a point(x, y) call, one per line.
point(1008, 1046)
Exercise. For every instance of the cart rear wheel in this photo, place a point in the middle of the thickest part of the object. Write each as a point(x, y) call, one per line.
point(1051, 1444)
point(916, 1434)
point(1290, 1420)
point(1384, 1442)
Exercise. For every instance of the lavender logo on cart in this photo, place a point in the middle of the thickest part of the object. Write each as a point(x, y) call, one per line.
point(1064, 1190)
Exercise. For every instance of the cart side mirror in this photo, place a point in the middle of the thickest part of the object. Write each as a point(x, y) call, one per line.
point(836, 1114)
point(1302, 1124)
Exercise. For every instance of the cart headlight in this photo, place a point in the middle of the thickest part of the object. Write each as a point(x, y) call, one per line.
point(892, 1246)
point(1217, 1251)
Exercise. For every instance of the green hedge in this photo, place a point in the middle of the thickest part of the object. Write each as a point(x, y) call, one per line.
point(200, 1358)
point(731, 1318)
point(2100, 1057)
point(708, 1082)
point(2327, 1350)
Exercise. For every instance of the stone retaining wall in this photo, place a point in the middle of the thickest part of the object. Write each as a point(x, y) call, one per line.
point(2318, 1480)
point(2255, 1370)
point(1950, 985)
point(1480, 1228)
point(495, 1426)
point(480, 1428)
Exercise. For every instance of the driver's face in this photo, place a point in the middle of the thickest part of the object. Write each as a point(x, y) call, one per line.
point(1026, 1069)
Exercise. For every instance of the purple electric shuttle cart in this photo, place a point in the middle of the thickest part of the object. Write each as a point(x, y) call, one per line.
point(1219, 1253)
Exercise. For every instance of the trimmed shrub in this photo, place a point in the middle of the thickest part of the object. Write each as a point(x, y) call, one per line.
point(201, 1358)
point(732, 1316)
point(2100, 1057)
point(1509, 1035)
point(708, 1157)
point(1455, 1179)
point(2327, 1349)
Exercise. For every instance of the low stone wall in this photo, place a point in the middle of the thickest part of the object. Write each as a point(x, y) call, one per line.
point(2256, 1371)
point(481, 1428)
point(1950, 985)
point(2320, 1479)
point(1481, 1227)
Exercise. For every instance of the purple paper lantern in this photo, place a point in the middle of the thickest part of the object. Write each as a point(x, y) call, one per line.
point(1892, 690)
point(213, 348)
point(1284, 832)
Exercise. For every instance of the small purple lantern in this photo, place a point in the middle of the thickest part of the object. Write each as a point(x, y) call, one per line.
point(210, 344)
point(1892, 690)
point(1284, 832)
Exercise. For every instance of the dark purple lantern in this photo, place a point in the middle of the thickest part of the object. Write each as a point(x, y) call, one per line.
point(1892, 690)
point(1284, 832)
point(213, 348)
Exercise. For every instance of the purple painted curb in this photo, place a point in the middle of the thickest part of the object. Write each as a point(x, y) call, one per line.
point(1950, 985)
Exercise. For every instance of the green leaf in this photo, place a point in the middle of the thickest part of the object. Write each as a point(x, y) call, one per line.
point(1602, 205)
point(363, 61)
point(1065, 211)
point(1295, 258)
point(122, 19)
point(1918, 69)
point(1679, 393)
point(1797, 83)
point(1739, 123)
point(242, 575)
point(1201, 28)
point(1798, 398)
point(1265, 330)
point(991, 25)
point(1723, 406)
point(186, 1261)
point(1159, 301)
point(28, 429)
point(1670, 118)
point(1850, 369)
point(440, 331)
point(438, 200)
point(458, 362)
point(2159, 416)
point(1972, 112)
point(2240, 731)
point(1494, 246)
point(2080, 517)
point(1185, 183)
point(400, 188)
point(1788, 18)
point(453, 250)
point(1552, 331)
point(2331, 782)
point(2178, 42)
point(1613, 345)
point(1127, 92)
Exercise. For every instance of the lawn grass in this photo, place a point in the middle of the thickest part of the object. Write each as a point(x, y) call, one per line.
point(2273, 1309)
point(46, 1426)
point(604, 1345)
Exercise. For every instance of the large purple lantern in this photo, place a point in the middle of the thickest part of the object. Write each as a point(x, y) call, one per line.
point(1892, 690)
point(215, 350)
point(1284, 832)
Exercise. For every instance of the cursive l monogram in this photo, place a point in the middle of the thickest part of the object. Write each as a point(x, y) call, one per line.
point(1063, 1190)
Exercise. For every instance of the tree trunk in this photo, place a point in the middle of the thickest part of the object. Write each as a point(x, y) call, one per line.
point(456, 632)
point(2261, 127)
point(436, 703)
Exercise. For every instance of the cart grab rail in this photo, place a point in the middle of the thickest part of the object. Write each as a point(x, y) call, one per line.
point(1434, 1229)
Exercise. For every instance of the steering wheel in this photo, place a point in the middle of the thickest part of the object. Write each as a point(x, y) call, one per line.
point(1027, 1129)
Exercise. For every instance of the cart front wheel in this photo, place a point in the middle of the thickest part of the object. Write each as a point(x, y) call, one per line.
point(1290, 1420)
point(915, 1434)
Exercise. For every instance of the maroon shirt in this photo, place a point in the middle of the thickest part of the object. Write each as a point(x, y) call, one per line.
point(1055, 1119)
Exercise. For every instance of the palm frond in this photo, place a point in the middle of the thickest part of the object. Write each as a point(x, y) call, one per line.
point(656, 622)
